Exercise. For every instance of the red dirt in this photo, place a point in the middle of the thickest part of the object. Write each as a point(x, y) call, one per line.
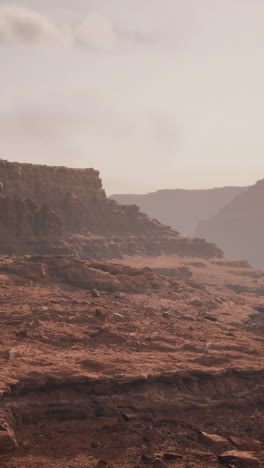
point(136, 373)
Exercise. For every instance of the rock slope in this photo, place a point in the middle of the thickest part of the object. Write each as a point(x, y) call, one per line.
point(239, 227)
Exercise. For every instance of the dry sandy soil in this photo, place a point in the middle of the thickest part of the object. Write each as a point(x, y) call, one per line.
point(114, 365)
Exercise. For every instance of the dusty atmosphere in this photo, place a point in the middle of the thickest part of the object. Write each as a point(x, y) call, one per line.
point(131, 234)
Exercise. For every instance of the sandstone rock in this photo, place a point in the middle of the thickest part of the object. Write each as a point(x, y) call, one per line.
point(210, 317)
point(166, 315)
point(100, 315)
point(215, 441)
point(147, 459)
point(169, 456)
point(118, 316)
point(26, 227)
point(22, 333)
point(95, 293)
point(240, 459)
point(93, 225)
point(7, 438)
point(129, 416)
point(158, 464)
point(95, 444)
point(245, 443)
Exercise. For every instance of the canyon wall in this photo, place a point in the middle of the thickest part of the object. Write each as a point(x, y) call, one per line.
point(78, 198)
point(182, 209)
point(26, 227)
point(239, 227)
point(93, 226)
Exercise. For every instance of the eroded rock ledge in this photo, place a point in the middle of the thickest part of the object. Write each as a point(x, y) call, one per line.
point(68, 209)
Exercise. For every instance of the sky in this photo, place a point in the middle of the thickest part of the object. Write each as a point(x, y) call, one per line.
point(154, 94)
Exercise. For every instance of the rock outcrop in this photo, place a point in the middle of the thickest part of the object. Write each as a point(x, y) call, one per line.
point(182, 209)
point(93, 226)
point(77, 196)
point(239, 227)
point(26, 227)
point(8, 441)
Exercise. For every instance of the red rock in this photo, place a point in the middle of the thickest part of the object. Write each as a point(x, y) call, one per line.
point(172, 456)
point(7, 438)
point(214, 440)
point(76, 199)
point(240, 459)
point(95, 293)
point(147, 459)
point(245, 443)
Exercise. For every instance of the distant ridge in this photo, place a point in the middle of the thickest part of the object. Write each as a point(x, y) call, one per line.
point(238, 228)
point(182, 209)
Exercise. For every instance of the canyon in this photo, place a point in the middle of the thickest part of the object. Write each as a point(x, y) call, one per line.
point(182, 209)
point(123, 343)
point(239, 226)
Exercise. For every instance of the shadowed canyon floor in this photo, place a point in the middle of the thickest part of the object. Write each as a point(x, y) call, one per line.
point(149, 361)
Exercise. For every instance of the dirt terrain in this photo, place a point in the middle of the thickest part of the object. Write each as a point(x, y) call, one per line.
point(122, 344)
point(146, 362)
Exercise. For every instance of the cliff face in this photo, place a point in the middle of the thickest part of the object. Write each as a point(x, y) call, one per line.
point(239, 227)
point(77, 196)
point(182, 209)
point(93, 226)
point(26, 220)
point(26, 227)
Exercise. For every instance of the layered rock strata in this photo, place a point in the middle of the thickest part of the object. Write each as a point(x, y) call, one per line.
point(71, 205)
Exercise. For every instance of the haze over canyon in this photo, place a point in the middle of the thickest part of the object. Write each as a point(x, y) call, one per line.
point(131, 234)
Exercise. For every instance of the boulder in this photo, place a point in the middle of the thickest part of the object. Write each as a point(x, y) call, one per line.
point(240, 459)
point(216, 441)
point(247, 443)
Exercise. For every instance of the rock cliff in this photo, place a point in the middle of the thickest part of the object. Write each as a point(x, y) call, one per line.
point(93, 226)
point(26, 227)
point(182, 209)
point(239, 227)
point(77, 196)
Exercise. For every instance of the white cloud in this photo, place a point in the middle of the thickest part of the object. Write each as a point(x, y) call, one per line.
point(97, 32)
point(24, 25)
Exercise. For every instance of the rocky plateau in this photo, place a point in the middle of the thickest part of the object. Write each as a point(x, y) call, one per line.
point(123, 344)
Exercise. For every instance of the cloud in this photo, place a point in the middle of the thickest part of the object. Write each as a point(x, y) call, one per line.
point(97, 32)
point(24, 25)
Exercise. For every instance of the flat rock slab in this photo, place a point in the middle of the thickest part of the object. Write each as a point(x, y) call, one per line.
point(240, 459)
point(247, 443)
point(216, 441)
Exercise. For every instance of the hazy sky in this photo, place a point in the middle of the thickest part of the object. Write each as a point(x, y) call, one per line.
point(153, 93)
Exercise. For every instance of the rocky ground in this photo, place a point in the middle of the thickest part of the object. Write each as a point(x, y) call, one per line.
point(158, 363)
